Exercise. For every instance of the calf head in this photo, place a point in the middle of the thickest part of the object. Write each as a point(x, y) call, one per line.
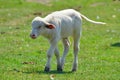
point(39, 26)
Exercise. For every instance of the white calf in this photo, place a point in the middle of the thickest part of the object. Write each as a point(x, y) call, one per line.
point(60, 25)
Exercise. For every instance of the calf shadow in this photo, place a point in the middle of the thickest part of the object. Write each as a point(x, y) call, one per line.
point(116, 44)
point(43, 72)
point(51, 72)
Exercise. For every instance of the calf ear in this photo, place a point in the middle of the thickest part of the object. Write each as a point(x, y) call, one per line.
point(50, 26)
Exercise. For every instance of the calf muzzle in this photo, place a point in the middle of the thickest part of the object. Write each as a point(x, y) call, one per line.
point(33, 36)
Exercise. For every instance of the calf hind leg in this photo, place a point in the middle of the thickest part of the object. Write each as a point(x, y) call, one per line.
point(66, 44)
point(76, 49)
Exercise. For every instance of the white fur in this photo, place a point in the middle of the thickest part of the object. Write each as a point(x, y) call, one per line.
point(67, 23)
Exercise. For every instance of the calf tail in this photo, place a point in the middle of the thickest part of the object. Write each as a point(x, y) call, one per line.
point(95, 22)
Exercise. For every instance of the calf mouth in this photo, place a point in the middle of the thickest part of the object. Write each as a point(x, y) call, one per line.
point(33, 37)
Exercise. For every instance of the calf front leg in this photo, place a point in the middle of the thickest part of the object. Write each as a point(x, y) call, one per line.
point(50, 52)
point(57, 54)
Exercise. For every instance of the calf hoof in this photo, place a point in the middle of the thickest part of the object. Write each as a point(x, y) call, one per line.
point(47, 69)
point(74, 70)
point(59, 69)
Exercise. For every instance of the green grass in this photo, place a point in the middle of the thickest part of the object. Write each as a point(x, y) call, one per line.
point(22, 58)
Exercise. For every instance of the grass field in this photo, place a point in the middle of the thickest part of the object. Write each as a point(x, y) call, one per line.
point(22, 58)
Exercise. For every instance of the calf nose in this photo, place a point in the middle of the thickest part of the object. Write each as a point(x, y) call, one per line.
point(33, 36)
